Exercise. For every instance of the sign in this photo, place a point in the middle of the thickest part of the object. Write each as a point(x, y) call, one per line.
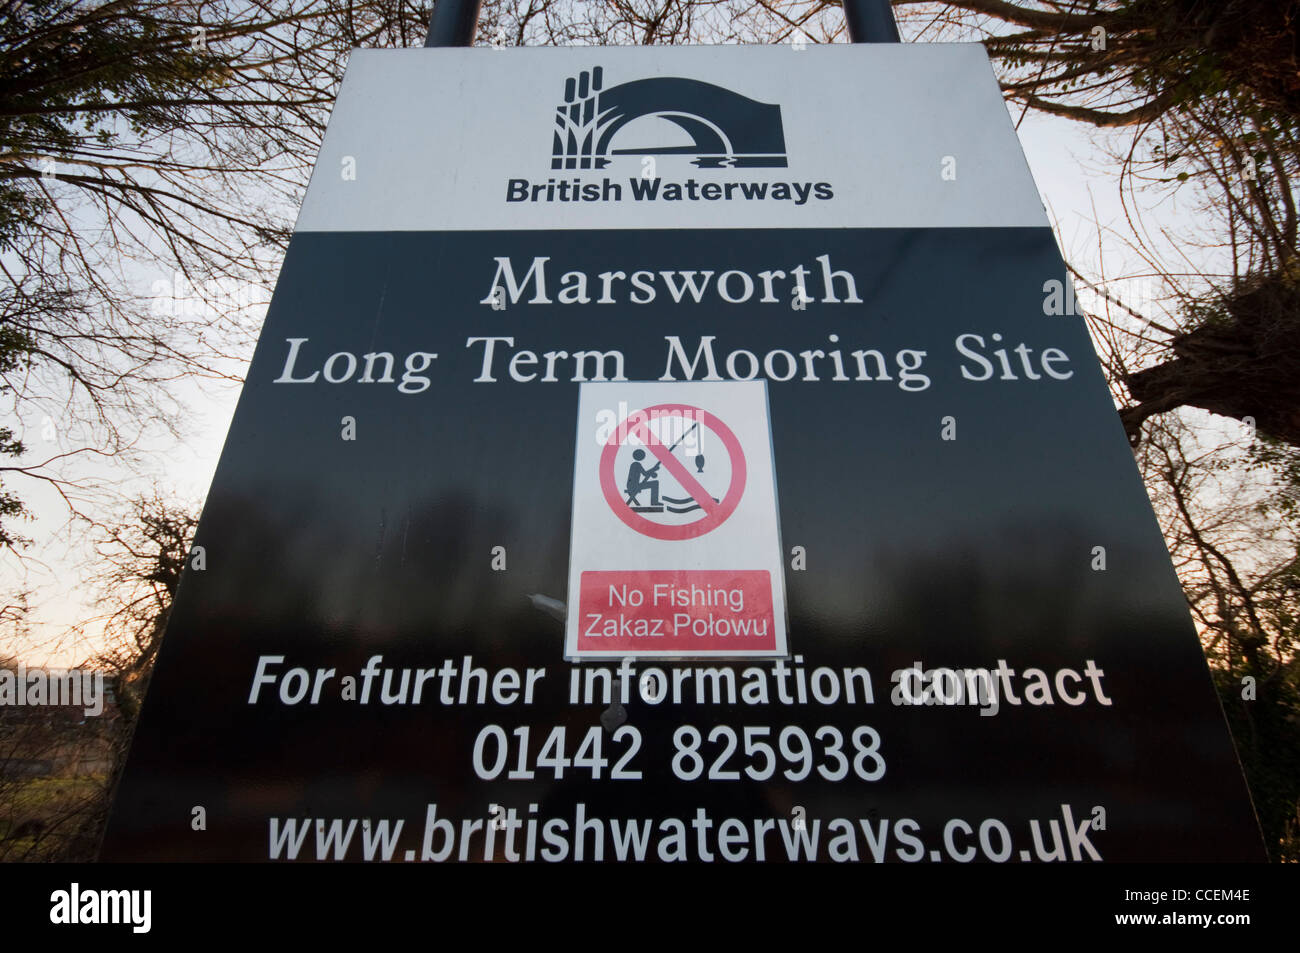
point(979, 649)
point(675, 547)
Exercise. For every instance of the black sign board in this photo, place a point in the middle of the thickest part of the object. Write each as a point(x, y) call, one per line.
point(987, 652)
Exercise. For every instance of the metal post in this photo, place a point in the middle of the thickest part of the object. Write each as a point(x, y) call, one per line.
point(453, 23)
point(870, 21)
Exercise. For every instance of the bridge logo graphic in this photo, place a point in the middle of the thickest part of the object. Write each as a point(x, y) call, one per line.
point(666, 115)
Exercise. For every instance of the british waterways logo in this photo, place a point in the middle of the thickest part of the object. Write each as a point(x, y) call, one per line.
point(721, 128)
point(666, 122)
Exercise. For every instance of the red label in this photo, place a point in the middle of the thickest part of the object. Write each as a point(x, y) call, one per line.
point(673, 611)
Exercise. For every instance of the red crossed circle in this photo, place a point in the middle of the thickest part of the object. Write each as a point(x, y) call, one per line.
point(715, 512)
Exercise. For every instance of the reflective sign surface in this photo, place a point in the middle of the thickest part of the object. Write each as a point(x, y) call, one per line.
point(989, 655)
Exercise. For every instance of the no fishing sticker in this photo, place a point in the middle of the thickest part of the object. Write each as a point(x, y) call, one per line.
point(675, 548)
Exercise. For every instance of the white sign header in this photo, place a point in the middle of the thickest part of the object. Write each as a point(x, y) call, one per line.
point(671, 137)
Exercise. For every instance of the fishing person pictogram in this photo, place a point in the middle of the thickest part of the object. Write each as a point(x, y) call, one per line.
point(641, 478)
point(653, 496)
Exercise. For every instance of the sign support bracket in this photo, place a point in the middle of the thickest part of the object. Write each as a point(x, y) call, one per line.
point(870, 21)
point(453, 23)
